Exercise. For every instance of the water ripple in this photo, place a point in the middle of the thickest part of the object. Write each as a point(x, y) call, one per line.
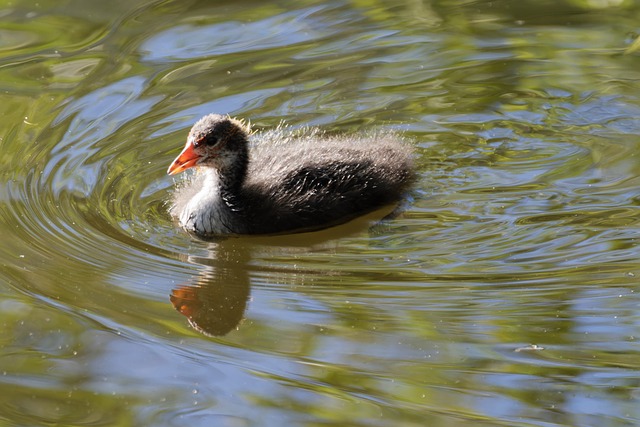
point(190, 41)
point(521, 228)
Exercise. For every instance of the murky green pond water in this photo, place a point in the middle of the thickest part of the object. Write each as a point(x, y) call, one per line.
point(506, 293)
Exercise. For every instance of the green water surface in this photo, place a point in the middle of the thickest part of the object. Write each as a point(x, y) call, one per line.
point(505, 294)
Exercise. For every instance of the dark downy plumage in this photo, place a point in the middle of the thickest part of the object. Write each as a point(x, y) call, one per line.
point(285, 181)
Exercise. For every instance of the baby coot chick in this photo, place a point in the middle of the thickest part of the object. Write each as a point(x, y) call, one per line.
point(283, 182)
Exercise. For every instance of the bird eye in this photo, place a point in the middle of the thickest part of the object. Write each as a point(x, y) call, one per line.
point(211, 140)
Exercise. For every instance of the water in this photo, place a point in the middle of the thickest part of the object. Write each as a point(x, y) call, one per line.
point(505, 294)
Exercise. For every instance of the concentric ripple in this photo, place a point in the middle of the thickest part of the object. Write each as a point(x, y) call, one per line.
point(95, 197)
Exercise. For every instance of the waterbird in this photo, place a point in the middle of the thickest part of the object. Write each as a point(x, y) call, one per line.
point(283, 181)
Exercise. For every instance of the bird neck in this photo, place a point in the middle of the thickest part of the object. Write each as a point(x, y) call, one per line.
point(230, 177)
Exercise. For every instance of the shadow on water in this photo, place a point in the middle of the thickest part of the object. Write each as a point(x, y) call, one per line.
point(216, 300)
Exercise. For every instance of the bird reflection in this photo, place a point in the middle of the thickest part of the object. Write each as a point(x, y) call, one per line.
point(215, 303)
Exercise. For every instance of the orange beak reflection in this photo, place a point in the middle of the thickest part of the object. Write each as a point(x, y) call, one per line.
point(185, 160)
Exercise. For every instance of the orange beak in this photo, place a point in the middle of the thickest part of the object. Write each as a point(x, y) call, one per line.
point(185, 160)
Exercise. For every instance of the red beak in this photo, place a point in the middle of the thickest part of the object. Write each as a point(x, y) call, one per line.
point(185, 160)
